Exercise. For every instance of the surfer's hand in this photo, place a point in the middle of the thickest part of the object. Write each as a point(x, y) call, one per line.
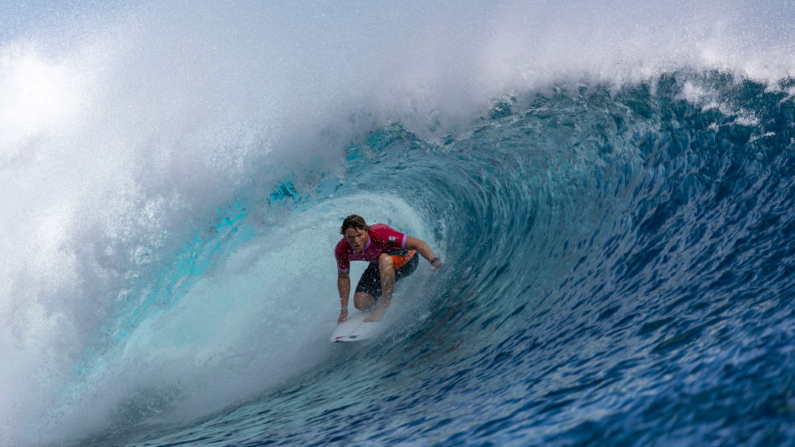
point(343, 316)
point(436, 264)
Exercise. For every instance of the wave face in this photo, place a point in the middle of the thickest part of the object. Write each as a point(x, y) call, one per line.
point(614, 206)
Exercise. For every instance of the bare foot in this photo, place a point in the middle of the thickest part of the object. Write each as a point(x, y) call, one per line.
point(375, 316)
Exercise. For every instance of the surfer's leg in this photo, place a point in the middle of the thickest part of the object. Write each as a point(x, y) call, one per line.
point(368, 289)
point(386, 269)
point(363, 300)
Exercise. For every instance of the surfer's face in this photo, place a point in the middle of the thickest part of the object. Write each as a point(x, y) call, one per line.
point(357, 238)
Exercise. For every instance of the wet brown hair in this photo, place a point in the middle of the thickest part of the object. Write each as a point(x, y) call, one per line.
point(354, 221)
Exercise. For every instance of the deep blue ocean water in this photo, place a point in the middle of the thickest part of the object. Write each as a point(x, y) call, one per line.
point(618, 242)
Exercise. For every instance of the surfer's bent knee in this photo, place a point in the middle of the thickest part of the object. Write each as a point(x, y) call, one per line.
point(363, 300)
point(385, 261)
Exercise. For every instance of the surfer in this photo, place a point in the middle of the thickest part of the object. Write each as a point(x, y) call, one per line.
point(392, 256)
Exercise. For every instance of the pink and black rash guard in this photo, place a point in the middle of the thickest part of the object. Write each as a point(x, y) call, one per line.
point(382, 238)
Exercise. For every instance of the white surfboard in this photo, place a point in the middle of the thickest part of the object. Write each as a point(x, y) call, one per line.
point(356, 329)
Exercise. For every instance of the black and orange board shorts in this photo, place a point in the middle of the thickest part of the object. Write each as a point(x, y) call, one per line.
point(405, 261)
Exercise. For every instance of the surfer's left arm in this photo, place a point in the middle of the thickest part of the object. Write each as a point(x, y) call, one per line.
point(412, 243)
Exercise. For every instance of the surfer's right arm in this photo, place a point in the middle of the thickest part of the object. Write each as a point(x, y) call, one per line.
point(344, 287)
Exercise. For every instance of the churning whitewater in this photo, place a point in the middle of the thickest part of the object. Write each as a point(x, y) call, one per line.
point(610, 185)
